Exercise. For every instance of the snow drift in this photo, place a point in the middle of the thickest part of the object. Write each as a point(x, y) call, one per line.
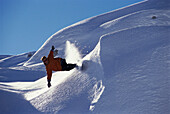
point(127, 57)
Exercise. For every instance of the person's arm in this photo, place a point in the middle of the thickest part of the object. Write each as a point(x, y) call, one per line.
point(49, 75)
point(51, 54)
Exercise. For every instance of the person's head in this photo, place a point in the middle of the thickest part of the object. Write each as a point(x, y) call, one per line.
point(45, 60)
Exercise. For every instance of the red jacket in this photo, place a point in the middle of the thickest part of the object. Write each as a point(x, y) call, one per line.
point(54, 64)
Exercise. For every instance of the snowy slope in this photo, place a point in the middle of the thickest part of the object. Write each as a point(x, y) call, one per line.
point(139, 76)
point(92, 29)
point(16, 60)
point(127, 54)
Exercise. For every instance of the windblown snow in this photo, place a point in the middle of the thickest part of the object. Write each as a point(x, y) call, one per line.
point(126, 53)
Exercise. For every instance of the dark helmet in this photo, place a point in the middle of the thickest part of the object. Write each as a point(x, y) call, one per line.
point(44, 57)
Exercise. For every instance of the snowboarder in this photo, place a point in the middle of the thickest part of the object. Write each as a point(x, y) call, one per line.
point(55, 64)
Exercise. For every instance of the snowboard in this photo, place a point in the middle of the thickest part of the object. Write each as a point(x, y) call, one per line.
point(83, 66)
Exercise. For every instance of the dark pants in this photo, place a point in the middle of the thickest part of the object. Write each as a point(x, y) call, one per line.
point(65, 66)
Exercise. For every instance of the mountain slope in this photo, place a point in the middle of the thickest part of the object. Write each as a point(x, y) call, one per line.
point(127, 57)
point(137, 79)
point(80, 33)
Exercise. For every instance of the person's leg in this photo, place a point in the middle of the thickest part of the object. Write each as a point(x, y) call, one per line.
point(70, 66)
point(63, 64)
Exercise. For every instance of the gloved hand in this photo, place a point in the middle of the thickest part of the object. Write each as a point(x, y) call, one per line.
point(56, 52)
point(52, 48)
point(49, 84)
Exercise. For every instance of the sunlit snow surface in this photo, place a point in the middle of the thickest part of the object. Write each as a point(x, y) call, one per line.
point(126, 58)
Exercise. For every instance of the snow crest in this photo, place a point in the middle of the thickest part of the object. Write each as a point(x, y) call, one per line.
point(126, 54)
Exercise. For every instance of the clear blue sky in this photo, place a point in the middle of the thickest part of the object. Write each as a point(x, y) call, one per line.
point(26, 24)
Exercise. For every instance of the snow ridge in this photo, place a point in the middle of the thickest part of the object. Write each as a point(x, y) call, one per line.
point(126, 54)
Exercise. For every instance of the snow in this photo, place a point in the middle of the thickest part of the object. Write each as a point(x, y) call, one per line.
point(126, 57)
